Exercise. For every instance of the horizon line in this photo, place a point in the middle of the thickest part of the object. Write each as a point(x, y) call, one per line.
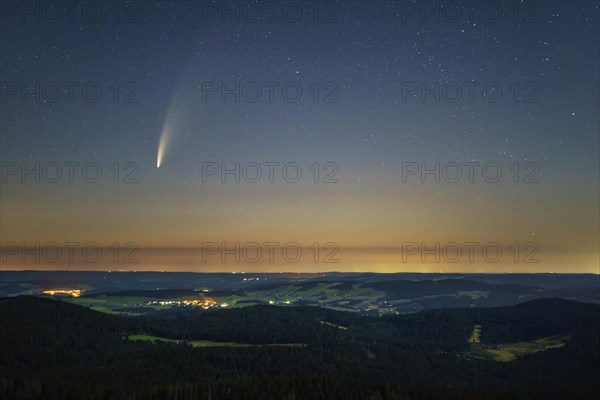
point(305, 273)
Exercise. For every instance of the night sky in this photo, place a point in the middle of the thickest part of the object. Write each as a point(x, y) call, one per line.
point(363, 115)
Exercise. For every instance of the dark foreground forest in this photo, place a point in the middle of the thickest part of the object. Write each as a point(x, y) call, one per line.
point(56, 350)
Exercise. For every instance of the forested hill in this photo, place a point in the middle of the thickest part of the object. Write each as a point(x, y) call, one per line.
point(53, 349)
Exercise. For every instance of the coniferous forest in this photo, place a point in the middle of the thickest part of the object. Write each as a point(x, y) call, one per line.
point(56, 350)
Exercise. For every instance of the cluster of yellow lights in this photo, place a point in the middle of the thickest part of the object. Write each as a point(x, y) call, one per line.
point(204, 303)
point(70, 292)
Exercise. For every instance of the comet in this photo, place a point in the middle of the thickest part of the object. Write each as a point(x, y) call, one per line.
point(173, 123)
point(163, 144)
point(177, 116)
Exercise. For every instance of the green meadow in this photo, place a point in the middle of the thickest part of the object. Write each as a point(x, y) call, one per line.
point(203, 343)
point(510, 351)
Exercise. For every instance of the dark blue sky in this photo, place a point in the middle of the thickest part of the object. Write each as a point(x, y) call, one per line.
point(364, 56)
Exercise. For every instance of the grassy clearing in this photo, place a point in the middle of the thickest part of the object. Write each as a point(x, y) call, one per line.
point(205, 343)
point(325, 294)
point(209, 343)
point(149, 338)
point(523, 348)
point(500, 355)
point(510, 351)
point(475, 335)
point(474, 294)
point(340, 327)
